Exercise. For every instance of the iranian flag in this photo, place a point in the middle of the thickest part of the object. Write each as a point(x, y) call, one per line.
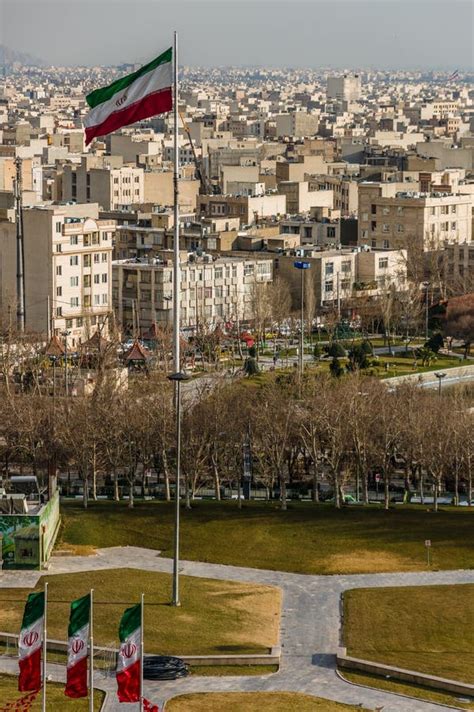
point(78, 638)
point(129, 657)
point(144, 93)
point(31, 642)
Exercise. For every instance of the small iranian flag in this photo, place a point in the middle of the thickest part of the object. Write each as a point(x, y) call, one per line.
point(30, 643)
point(129, 657)
point(78, 635)
point(144, 93)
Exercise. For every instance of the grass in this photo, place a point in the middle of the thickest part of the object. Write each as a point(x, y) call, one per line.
point(253, 702)
point(307, 538)
point(55, 700)
point(429, 629)
point(403, 688)
point(224, 670)
point(402, 365)
point(217, 617)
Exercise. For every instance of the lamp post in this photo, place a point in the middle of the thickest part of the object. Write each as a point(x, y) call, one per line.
point(65, 334)
point(177, 379)
point(426, 286)
point(302, 266)
point(439, 375)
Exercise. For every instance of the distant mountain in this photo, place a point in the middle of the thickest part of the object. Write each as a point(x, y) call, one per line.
point(8, 56)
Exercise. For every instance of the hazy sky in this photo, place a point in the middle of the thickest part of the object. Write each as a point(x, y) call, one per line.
point(427, 34)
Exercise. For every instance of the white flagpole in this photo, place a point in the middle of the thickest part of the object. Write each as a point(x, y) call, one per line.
point(45, 645)
point(142, 657)
point(176, 265)
point(91, 652)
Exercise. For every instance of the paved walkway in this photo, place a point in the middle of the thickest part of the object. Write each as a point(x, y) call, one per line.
point(309, 628)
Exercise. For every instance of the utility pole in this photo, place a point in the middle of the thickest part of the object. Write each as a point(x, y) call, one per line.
point(20, 249)
point(302, 266)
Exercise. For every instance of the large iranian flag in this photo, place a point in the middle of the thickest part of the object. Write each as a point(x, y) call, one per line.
point(144, 93)
point(78, 638)
point(129, 657)
point(31, 642)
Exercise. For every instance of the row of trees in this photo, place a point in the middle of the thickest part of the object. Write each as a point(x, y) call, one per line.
point(301, 434)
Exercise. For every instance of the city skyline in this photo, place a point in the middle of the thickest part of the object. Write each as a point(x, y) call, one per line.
point(361, 34)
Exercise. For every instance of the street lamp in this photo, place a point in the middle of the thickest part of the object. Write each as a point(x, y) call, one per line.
point(426, 286)
point(65, 334)
point(177, 379)
point(302, 266)
point(439, 375)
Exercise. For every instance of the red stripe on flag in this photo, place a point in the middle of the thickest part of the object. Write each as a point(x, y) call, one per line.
point(157, 103)
point(76, 685)
point(30, 672)
point(128, 682)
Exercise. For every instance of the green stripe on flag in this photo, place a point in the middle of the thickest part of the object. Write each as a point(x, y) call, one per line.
point(103, 94)
point(131, 620)
point(34, 609)
point(80, 612)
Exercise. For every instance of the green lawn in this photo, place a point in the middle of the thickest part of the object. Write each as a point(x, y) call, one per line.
point(253, 702)
point(55, 699)
point(307, 538)
point(401, 365)
point(217, 617)
point(425, 628)
point(403, 688)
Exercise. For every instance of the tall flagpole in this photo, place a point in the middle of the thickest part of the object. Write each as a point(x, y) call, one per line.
point(176, 330)
point(91, 652)
point(45, 644)
point(142, 656)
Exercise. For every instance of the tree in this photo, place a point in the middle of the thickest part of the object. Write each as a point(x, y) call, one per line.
point(336, 350)
point(335, 368)
point(435, 342)
point(458, 321)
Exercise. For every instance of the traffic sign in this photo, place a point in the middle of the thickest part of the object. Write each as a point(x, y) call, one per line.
point(427, 543)
point(301, 265)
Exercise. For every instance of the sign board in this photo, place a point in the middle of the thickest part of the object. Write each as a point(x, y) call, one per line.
point(427, 543)
point(301, 265)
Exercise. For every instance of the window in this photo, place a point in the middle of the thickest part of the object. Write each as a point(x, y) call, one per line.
point(365, 216)
point(74, 260)
point(74, 281)
point(453, 208)
point(104, 299)
point(115, 181)
point(373, 243)
point(345, 284)
point(453, 225)
point(87, 261)
point(104, 257)
point(59, 270)
point(329, 268)
point(365, 234)
point(248, 270)
point(373, 225)
point(73, 240)
point(386, 244)
point(96, 278)
point(96, 299)
point(79, 321)
point(58, 227)
point(328, 286)
point(383, 263)
point(74, 301)
point(400, 228)
point(399, 210)
point(59, 291)
point(346, 266)
point(373, 209)
point(385, 227)
point(87, 280)
point(59, 311)
point(219, 273)
point(331, 232)
point(444, 209)
point(444, 226)
point(68, 323)
point(234, 271)
point(386, 210)
point(219, 292)
point(137, 179)
point(207, 292)
point(96, 257)
point(87, 240)
point(433, 211)
point(104, 278)
point(59, 248)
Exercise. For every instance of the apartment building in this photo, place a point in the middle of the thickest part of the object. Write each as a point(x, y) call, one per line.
point(247, 208)
point(345, 88)
point(297, 124)
point(68, 257)
point(339, 275)
point(300, 198)
point(111, 186)
point(394, 219)
point(344, 191)
point(212, 290)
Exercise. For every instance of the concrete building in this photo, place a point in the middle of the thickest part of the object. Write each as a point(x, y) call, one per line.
point(297, 124)
point(247, 208)
point(112, 187)
point(68, 256)
point(212, 290)
point(394, 219)
point(300, 198)
point(345, 88)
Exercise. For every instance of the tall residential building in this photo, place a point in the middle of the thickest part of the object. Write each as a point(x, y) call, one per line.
point(111, 187)
point(345, 88)
point(394, 219)
point(68, 257)
point(212, 290)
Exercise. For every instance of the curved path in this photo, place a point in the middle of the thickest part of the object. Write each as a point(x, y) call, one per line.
point(310, 626)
